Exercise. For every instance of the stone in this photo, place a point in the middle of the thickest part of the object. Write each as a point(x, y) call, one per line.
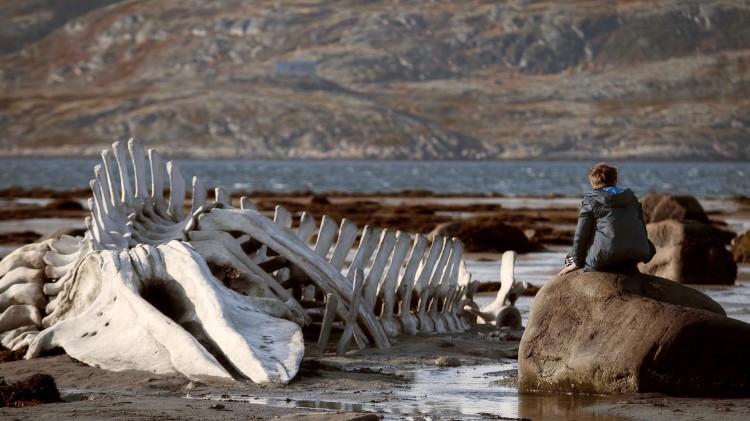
point(741, 248)
point(662, 206)
point(448, 362)
point(487, 234)
point(689, 252)
point(601, 332)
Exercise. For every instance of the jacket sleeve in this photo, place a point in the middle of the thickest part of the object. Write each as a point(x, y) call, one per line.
point(583, 234)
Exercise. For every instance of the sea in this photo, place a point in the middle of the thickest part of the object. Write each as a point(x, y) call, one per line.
point(511, 183)
point(509, 178)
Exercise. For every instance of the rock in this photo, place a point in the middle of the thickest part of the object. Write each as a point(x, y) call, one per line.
point(601, 332)
point(662, 206)
point(448, 362)
point(741, 248)
point(487, 234)
point(689, 252)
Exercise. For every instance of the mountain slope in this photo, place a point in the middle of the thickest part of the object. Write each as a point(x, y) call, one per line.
point(387, 79)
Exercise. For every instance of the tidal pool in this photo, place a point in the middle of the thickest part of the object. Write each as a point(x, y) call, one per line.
point(460, 393)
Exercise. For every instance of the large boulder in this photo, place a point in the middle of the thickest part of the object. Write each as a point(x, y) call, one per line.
point(662, 206)
point(690, 252)
point(601, 332)
point(741, 247)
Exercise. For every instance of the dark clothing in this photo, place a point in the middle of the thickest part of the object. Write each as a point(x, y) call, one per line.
point(611, 234)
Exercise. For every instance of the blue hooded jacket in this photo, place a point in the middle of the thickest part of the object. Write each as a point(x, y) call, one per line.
point(610, 230)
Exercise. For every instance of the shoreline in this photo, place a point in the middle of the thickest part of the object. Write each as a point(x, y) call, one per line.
point(369, 381)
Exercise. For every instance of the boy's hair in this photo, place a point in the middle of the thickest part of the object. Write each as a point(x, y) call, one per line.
point(603, 175)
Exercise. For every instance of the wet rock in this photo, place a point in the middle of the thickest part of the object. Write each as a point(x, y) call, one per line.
point(448, 362)
point(481, 234)
point(35, 390)
point(600, 332)
point(741, 248)
point(689, 252)
point(662, 206)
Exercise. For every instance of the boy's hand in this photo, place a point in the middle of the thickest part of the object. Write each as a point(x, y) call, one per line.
point(567, 269)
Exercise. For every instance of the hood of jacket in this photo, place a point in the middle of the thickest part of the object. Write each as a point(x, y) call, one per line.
point(612, 200)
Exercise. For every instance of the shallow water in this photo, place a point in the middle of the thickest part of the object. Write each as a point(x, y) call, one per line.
point(466, 393)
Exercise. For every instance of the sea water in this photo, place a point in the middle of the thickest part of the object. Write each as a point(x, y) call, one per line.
point(510, 178)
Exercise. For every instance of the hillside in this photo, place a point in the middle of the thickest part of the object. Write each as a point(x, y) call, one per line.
point(409, 79)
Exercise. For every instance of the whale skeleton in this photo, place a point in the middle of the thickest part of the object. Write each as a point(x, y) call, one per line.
point(220, 291)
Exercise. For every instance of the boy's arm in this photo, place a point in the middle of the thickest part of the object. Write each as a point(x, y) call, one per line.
point(582, 237)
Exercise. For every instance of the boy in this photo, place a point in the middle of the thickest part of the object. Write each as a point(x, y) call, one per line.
point(611, 233)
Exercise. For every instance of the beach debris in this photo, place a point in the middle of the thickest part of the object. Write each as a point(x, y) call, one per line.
point(502, 312)
point(219, 291)
point(600, 332)
point(36, 389)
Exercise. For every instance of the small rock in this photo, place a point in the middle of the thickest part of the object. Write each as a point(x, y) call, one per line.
point(193, 385)
point(448, 362)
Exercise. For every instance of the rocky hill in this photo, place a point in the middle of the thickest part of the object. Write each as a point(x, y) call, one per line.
point(397, 79)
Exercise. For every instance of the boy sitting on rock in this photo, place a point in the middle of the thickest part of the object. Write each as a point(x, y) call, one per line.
point(611, 233)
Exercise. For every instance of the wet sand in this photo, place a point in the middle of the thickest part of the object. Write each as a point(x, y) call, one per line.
point(388, 383)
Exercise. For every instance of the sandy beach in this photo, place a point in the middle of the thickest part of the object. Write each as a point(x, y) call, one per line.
point(413, 379)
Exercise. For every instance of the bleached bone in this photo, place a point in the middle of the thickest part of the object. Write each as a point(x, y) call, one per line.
point(420, 290)
point(19, 315)
point(387, 288)
point(448, 280)
point(278, 238)
point(141, 282)
point(408, 321)
point(427, 323)
point(502, 310)
point(21, 275)
point(215, 292)
point(8, 339)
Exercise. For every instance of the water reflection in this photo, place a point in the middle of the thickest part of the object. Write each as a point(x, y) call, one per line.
point(466, 393)
point(544, 407)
